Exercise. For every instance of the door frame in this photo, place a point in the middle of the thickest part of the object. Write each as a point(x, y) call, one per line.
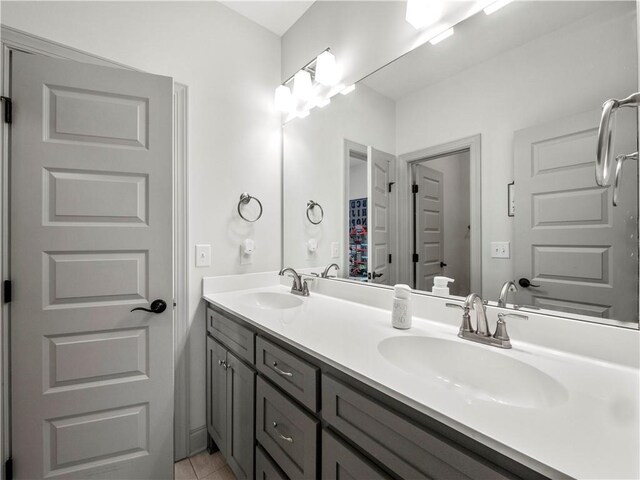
point(406, 160)
point(13, 39)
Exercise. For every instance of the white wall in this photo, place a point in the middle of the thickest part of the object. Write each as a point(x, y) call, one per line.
point(231, 66)
point(315, 167)
point(566, 72)
point(457, 246)
point(358, 180)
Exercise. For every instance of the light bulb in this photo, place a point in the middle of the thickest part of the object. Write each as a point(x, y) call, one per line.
point(441, 36)
point(348, 90)
point(495, 6)
point(326, 69)
point(302, 87)
point(422, 13)
point(283, 100)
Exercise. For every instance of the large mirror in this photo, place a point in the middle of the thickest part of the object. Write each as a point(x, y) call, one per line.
point(474, 159)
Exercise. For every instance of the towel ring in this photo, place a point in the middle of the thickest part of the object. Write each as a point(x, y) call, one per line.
point(605, 136)
point(310, 206)
point(245, 198)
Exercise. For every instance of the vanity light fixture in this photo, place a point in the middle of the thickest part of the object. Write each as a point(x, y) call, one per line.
point(326, 69)
point(495, 6)
point(283, 99)
point(311, 86)
point(441, 36)
point(423, 13)
point(302, 86)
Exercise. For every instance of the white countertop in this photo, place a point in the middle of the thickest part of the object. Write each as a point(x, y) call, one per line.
point(594, 433)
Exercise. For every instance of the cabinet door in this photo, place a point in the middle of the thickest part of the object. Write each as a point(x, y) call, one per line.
point(240, 417)
point(217, 393)
point(341, 462)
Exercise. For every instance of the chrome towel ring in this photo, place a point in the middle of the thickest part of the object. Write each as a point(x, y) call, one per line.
point(620, 159)
point(605, 136)
point(245, 198)
point(310, 206)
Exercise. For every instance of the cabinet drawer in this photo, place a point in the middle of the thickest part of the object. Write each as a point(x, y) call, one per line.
point(286, 432)
point(265, 468)
point(341, 461)
point(406, 449)
point(235, 337)
point(295, 376)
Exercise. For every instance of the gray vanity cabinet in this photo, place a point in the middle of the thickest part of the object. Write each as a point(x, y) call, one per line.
point(231, 407)
point(266, 469)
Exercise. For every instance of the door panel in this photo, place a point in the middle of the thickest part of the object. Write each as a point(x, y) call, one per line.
point(217, 391)
point(429, 225)
point(570, 240)
point(91, 236)
point(241, 417)
point(378, 234)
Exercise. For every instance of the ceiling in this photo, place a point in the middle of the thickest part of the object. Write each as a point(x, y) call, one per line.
point(277, 16)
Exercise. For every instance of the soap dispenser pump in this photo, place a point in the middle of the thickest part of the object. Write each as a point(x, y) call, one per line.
point(401, 315)
point(441, 286)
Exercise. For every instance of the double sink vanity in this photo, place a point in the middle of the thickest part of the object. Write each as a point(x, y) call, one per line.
point(322, 386)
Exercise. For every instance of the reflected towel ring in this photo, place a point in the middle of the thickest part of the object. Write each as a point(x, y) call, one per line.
point(310, 206)
point(245, 198)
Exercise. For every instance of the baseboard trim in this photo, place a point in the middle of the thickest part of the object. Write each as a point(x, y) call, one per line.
point(197, 440)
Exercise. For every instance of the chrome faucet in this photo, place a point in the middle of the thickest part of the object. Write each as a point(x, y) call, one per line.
point(509, 286)
point(325, 274)
point(299, 286)
point(481, 334)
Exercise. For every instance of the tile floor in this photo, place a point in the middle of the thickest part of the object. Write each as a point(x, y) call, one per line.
point(203, 467)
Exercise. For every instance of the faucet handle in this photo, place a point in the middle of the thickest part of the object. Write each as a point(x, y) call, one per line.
point(501, 327)
point(466, 318)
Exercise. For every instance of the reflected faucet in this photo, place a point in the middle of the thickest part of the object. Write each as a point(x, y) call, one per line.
point(299, 286)
point(509, 286)
point(325, 274)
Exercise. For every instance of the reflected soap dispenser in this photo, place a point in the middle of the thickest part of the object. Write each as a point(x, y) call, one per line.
point(401, 315)
point(441, 286)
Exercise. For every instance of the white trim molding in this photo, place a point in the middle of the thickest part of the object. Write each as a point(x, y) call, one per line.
point(473, 144)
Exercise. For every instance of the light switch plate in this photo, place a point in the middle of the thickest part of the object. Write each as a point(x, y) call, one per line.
point(335, 250)
point(203, 255)
point(500, 250)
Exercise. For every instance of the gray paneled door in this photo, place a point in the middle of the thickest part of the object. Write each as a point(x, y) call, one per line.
point(429, 225)
point(91, 203)
point(580, 251)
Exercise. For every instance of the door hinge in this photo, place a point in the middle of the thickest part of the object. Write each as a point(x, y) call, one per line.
point(389, 258)
point(414, 188)
point(8, 469)
point(8, 108)
point(391, 184)
point(6, 291)
point(415, 258)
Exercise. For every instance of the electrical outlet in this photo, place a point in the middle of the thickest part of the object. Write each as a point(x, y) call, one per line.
point(335, 250)
point(203, 255)
point(500, 250)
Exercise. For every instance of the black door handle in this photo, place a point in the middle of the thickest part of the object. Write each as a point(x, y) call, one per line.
point(376, 275)
point(157, 306)
point(442, 264)
point(525, 283)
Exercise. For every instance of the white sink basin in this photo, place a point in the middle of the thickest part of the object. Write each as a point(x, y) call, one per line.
point(271, 300)
point(474, 371)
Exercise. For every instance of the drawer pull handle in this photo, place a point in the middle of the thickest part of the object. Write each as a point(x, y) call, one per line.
point(283, 437)
point(281, 372)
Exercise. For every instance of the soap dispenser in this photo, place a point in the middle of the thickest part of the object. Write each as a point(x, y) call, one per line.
point(441, 286)
point(401, 314)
